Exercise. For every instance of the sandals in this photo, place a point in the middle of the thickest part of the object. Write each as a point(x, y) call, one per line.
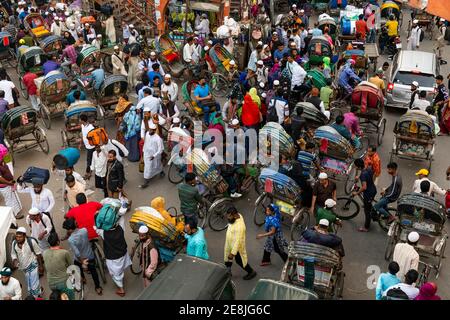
point(265, 263)
point(120, 293)
point(99, 291)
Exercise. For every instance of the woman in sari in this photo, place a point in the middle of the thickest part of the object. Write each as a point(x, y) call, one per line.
point(251, 115)
point(254, 94)
point(131, 129)
point(123, 105)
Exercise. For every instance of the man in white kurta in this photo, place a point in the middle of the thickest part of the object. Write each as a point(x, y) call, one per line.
point(414, 36)
point(110, 29)
point(118, 62)
point(152, 151)
point(406, 255)
point(203, 27)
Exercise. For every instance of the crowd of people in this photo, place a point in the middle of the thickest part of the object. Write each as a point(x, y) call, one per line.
point(258, 95)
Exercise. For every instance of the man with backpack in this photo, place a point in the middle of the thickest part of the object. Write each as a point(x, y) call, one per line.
point(41, 198)
point(41, 226)
point(278, 107)
point(27, 256)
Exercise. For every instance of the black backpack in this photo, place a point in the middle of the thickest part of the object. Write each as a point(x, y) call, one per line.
point(396, 294)
point(30, 244)
point(272, 115)
point(422, 34)
point(51, 220)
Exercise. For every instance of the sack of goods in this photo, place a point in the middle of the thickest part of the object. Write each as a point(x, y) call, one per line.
point(107, 217)
point(159, 228)
point(35, 174)
point(97, 136)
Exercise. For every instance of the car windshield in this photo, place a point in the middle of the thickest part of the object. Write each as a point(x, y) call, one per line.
point(406, 78)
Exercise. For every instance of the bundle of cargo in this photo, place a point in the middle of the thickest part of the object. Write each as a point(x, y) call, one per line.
point(159, 228)
point(206, 172)
point(275, 133)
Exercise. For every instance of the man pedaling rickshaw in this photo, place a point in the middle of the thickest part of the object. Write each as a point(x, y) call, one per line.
point(348, 79)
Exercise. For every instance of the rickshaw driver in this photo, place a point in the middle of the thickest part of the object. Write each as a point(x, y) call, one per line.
point(203, 95)
point(348, 78)
point(320, 235)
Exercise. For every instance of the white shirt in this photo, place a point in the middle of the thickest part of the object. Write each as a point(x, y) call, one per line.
point(187, 52)
point(406, 257)
point(422, 104)
point(115, 145)
point(172, 89)
point(12, 289)
point(38, 227)
point(97, 43)
point(152, 62)
point(43, 201)
point(56, 29)
point(298, 41)
point(149, 103)
point(24, 255)
point(7, 87)
point(410, 290)
point(84, 131)
point(298, 74)
point(434, 188)
point(281, 107)
point(99, 163)
point(262, 74)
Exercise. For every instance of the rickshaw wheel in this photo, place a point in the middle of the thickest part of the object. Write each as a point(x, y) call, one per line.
point(135, 258)
point(339, 286)
point(219, 85)
point(381, 130)
point(45, 116)
point(41, 139)
point(300, 224)
point(23, 89)
point(259, 213)
point(217, 219)
point(64, 138)
point(441, 256)
point(175, 174)
point(107, 64)
point(13, 61)
point(346, 208)
point(350, 181)
point(391, 242)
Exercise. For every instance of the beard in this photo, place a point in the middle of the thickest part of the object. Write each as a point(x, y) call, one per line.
point(233, 220)
point(5, 282)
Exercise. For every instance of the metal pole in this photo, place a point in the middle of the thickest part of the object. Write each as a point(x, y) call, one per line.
point(188, 7)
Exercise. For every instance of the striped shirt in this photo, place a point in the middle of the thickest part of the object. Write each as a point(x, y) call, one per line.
point(306, 159)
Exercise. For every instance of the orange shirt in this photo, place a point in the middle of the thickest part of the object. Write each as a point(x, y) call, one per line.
point(361, 28)
point(374, 162)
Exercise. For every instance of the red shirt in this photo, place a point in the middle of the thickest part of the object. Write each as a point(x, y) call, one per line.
point(28, 80)
point(250, 112)
point(361, 28)
point(84, 215)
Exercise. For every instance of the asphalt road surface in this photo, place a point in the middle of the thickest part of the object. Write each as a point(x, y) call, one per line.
point(362, 249)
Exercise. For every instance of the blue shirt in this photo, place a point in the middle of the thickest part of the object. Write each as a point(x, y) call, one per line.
point(201, 92)
point(98, 75)
point(371, 190)
point(279, 54)
point(306, 159)
point(80, 245)
point(316, 32)
point(273, 222)
point(70, 99)
point(196, 245)
point(385, 281)
point(153, 74)
point(141, 92)
point(49, 66)
point(3, 106)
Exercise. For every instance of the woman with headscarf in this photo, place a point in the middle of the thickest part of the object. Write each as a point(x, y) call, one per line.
point(131, 129)
point(254, 94)
point(428, 292)
point(251, 115)
point(216, 122)
point(326, 67)
point(123, 105)
point(159, 204)
point(275, 238)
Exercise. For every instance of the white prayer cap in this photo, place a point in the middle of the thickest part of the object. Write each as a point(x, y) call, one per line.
point(176, 120)
point(196, 32)
point(302, 10)
point(77, 12)
point(264, 95)
point(21, 230)
point(415, 84)
point(116, 47)
point(330, 203)
point(46, 13)
point(323, 176)
point(265, 46)
point(210, 42)
point(195, 38)
point(67, 13)
point(260, 43)
point(442, 20)
point(99, 36)
point(415, 21)
point(131, 26)
point(294, 6)
point(72, 25)
point(276, 83)
point(324, 222)
point(232, 62)
point(235, 122)
point(33, 211)
point(274, 33)
point(153, 53)
point(143, 229)
point(168, 76)
point(260, 62)
point(152, 126)
point(86, 24)
point(204, 15)
point(262, 84)
point(52, 9)
point(56, 18)
point(206, 48)
point(413, 237)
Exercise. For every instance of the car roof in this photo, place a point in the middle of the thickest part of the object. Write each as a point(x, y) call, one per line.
point(425, 62)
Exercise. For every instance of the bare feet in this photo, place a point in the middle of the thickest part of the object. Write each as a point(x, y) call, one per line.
point(362, 229)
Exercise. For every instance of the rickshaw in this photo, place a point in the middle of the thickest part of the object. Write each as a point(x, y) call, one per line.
point(426, 21)
point(187, 92)
point(330, 23)
point(51, 44)
point(111, 90)
point(170, 55)
point(268, 289)
point(318, 48)
point(7, 54)
point(315, 267)
point(370, 102)
point(221, 65)
point(52, 92)
point(336, 155)
point(371, 51)
point(37, 26)
point(71, 133)
point(22, 131)
point(4, 15)
point(88, 60)
point(414, 137)
point(203, 280)
point(31, 59)
point(361, 66)
point(312, 115)
point(426, 216)
point(284, 192)
point(391, 7)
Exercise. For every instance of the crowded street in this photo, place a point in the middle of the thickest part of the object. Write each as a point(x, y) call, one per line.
point(364, 258)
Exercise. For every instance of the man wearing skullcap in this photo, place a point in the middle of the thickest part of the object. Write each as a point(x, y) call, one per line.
point(10, 288)
point(406, 255)
point(149, 255)
point(414, 36)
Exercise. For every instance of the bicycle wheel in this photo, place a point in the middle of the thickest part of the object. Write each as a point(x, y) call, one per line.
point(259, 214)
point(203, 214)
point(175, 174)
point(346, 208)
point(217, 214)
point(100, 263)
point(383, 221)
point(300, 223)
point(219, 85)
point(136, 258)
point(350, 181)
point(391, 242)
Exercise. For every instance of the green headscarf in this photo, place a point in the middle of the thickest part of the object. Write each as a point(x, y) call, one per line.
point(327, 62)
point(254, 94)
